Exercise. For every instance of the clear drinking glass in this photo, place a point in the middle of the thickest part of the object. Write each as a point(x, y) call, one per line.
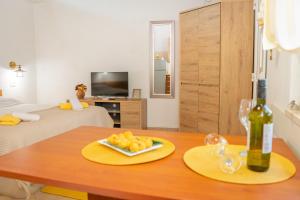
point(245, 108)
point(230, 163)
point(217, 143)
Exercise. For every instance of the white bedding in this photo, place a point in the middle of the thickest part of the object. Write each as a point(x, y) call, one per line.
point(23, 108)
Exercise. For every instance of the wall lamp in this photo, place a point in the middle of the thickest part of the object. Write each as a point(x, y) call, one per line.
point(17, 68)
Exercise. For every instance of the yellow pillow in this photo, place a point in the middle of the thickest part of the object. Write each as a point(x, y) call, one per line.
point(65, 106)
point(9, 120)
point(84, 104)
point(68, 106)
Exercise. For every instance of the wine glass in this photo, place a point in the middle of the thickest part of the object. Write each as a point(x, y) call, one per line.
point(245, 108)
point(217, 143)
point(230, 163)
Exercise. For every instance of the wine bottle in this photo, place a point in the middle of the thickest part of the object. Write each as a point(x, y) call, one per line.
point(261, 132)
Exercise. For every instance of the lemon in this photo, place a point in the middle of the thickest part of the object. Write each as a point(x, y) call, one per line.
point(113, 139)
point(142, 145)
point(128, 134)
point(124, 143)
point(134, 147)
point(148, 143)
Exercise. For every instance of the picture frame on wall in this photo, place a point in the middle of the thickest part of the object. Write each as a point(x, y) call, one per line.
point(136, 93)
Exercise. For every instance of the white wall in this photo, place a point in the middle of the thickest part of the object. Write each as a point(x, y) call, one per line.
point(284, 86)
point(76, 37)
point(17, 44)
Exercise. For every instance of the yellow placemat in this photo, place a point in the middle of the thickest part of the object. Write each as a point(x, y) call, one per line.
point(101, 154)
point(200, 160)
point(65, 192)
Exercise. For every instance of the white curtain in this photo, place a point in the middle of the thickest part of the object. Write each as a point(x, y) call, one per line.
point(281, 24)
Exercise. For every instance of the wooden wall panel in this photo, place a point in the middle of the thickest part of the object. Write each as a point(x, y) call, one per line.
point(236, 61)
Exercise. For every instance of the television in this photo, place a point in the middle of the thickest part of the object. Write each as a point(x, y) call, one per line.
point(109, 84)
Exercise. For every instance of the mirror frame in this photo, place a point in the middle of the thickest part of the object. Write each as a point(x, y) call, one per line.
point(172, 60)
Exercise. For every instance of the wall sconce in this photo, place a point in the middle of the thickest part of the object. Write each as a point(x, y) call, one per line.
point(17, 68)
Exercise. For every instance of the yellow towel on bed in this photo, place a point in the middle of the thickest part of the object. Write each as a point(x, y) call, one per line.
point(84, 104)
point(68, 106)
point(65, 193)
point(9, 120)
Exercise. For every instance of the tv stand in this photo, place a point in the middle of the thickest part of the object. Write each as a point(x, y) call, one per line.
point(110, 98)
point(126, 112)
point(117, 98)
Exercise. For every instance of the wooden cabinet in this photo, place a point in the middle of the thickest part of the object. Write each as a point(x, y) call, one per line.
point(126, 113)
point(131, 114)
point(216, 65)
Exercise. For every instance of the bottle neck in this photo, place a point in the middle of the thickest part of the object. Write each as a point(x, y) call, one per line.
point(261, 101)
point(261, 95)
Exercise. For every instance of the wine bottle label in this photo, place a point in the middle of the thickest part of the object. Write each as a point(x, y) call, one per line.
point(267, 138)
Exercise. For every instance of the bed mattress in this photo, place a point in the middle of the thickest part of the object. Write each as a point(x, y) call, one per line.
point(53, 121)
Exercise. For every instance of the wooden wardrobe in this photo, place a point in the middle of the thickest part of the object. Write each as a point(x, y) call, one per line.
point(216, 65)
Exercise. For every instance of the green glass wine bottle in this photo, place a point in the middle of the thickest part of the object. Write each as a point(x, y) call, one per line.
point(261, 132)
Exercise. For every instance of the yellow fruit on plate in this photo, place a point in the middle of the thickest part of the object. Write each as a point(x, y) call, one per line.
point(124, 144)
point(130, 142)
point(142, 145)
point(148, 143)
point(112, 139)
point(134, 147)
point(128, 134)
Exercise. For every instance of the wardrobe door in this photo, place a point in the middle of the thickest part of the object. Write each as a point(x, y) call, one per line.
point(208, 99)
point(208, 115)
point(236, 61)
point(189, 47)
point(200, 69)
point(189, 107)
point(209, 45)
point(220, 67)
point(209, 68)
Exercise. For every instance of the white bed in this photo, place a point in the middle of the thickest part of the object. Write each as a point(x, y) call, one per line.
point(53, 121)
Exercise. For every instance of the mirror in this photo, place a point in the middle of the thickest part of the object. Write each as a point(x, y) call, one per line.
point(162, 59)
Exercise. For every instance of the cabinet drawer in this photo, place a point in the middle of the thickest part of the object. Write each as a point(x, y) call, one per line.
point(131, 107)
point(131, 114)
point(130, 121)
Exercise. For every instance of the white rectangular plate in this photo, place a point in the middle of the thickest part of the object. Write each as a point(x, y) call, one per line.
point(156, 145)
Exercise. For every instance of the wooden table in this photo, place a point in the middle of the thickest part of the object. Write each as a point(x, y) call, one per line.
point(58, 162)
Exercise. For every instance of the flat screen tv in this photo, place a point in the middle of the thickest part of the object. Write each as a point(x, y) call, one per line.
point(109, 84)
